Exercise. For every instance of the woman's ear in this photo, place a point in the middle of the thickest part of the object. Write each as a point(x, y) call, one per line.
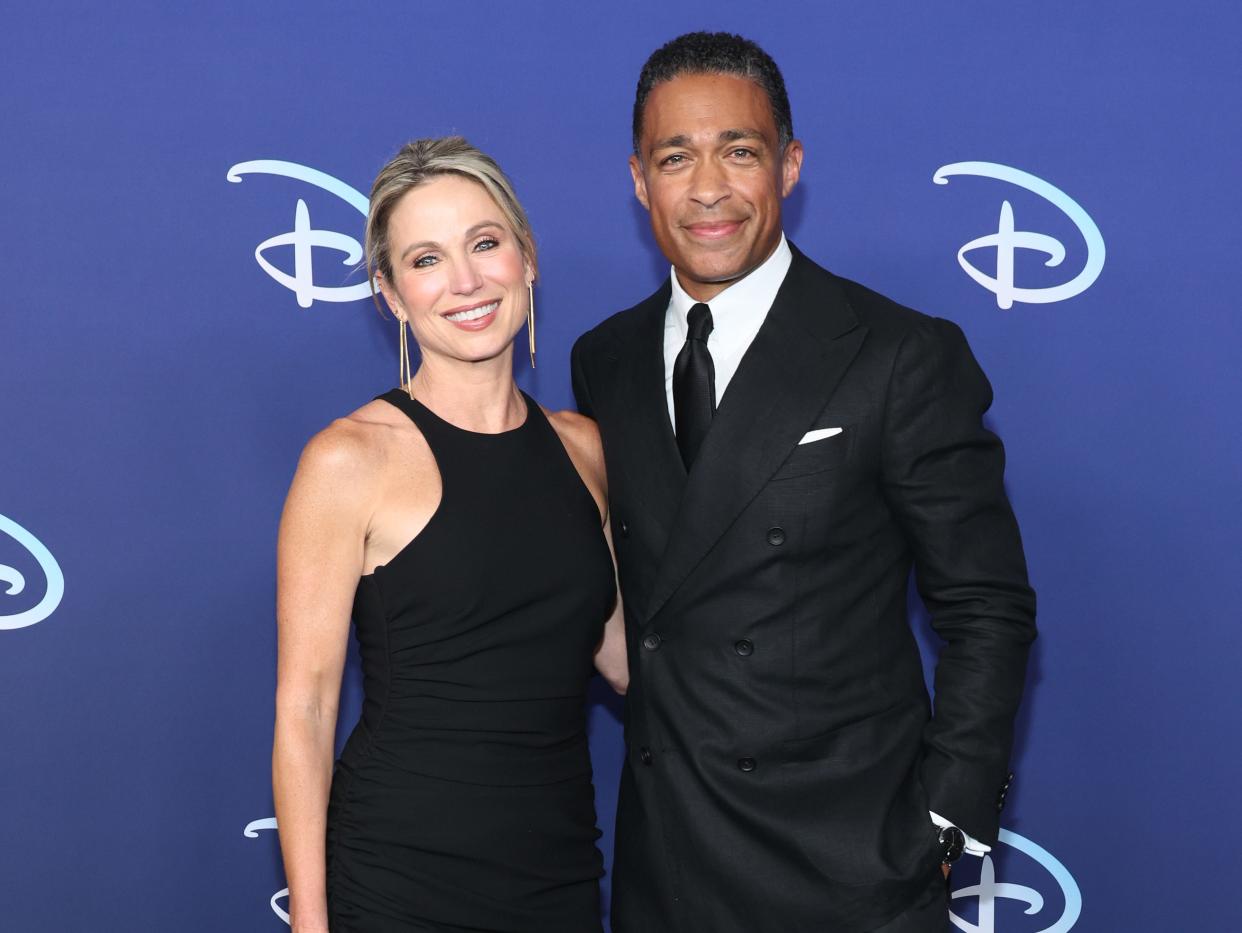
point(390, 297)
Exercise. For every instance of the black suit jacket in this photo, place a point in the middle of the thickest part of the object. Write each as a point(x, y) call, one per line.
point(781, 751)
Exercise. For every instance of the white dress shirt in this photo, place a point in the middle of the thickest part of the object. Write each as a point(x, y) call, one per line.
point(737, 314)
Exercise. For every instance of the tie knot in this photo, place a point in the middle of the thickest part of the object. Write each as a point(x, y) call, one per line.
point(700, 322)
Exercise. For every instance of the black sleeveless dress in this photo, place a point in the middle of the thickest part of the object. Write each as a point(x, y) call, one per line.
point(462, 800)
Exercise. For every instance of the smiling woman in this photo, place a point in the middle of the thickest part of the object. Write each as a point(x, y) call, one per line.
point(465, 531)
point(457, 264)
point(454, 161)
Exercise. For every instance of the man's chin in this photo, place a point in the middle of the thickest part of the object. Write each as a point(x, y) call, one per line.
point(717, 273)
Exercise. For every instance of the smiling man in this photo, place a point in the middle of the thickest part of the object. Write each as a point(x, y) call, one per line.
point(783, 447)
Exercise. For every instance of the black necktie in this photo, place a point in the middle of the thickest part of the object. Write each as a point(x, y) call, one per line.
point(694, 385)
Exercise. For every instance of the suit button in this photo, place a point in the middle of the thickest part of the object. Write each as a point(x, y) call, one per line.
point(644, 755)
point(652, 641)
point(624, 528)
point(776, 536)
point(744, 647)
point(746, 764)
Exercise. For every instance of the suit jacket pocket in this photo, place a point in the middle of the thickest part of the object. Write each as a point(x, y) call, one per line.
point(819, 456)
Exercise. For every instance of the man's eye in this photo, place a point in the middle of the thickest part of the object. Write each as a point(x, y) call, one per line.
point(673, 160)
point(743, 153)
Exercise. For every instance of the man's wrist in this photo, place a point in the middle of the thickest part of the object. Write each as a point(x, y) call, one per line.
point(952, 844)
point(972, 846)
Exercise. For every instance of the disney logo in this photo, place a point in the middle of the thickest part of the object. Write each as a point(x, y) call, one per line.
point(304, 238)
point(1007, 238)
point(252, 830)
point(989, 890)
point(12, 582)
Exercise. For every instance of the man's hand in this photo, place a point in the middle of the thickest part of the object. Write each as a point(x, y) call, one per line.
point(946, 868)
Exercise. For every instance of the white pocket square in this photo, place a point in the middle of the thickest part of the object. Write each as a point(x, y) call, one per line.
point(818, 435)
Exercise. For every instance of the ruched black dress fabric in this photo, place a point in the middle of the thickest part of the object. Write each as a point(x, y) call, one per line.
point(462, 800)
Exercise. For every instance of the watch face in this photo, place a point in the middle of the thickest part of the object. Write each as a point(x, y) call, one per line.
point(954, 841)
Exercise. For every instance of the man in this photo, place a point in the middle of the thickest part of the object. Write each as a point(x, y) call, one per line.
point(782, 446)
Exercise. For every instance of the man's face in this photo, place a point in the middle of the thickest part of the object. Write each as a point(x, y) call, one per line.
point(712, 176)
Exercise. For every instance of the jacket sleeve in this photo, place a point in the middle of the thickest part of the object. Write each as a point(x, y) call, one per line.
point(943, 475)
point(582, 394)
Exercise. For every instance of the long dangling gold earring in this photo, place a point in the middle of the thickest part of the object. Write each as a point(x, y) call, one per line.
point(530, 320)
point(407, 377)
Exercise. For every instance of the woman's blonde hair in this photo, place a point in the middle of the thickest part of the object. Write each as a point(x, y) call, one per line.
point(417, 163)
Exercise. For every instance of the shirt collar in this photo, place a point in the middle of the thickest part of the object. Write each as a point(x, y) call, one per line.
point(751, 295)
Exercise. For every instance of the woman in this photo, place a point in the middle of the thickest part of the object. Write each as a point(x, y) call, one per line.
point(464, 529)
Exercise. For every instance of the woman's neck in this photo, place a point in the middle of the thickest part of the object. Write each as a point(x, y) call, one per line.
point(478, 397)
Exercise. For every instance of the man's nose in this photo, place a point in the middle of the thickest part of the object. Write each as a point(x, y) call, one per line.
point(709, 185)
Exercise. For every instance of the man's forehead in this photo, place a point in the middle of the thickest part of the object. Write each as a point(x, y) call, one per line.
point(706, 107)
point(709, 136)
point(686, 89)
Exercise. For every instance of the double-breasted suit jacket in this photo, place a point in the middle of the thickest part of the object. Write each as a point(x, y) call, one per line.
point(782, 755)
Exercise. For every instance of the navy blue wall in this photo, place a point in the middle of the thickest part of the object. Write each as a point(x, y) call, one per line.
point(157, 384)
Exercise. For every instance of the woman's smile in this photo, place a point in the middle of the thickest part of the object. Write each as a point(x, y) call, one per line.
point(475, 317)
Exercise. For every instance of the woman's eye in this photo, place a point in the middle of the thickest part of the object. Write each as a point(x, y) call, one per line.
point(486, 243)
point(425, 261)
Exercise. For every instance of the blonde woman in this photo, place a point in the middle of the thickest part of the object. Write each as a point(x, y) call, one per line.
point(464, 531)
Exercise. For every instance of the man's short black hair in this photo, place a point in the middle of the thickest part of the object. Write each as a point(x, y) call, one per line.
point(724, 53)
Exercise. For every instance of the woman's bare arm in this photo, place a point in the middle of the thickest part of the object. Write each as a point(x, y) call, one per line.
point(319, 560)
point(611, 659)
point(580, 435)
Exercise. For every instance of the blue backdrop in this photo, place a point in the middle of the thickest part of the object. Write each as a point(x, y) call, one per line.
point(157, 383)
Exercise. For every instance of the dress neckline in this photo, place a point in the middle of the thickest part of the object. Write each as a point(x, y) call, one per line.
point(402, 396)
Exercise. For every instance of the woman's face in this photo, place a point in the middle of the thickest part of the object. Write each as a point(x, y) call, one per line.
point(458, 275)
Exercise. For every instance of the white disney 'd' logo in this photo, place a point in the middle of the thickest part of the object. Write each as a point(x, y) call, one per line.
point(1006, 239)
point(252, 832)
point(12, 583)
point(989, 891)
point(303, 238)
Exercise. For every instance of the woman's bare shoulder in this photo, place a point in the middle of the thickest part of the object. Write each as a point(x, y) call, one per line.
point(580, 435)
point(359, 445)
point(579, 431)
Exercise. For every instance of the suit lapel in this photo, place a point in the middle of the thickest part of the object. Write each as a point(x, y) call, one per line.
point(807, 341)
point(649, 447)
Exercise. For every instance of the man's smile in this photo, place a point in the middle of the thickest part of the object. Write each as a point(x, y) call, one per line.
point(713, 229)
